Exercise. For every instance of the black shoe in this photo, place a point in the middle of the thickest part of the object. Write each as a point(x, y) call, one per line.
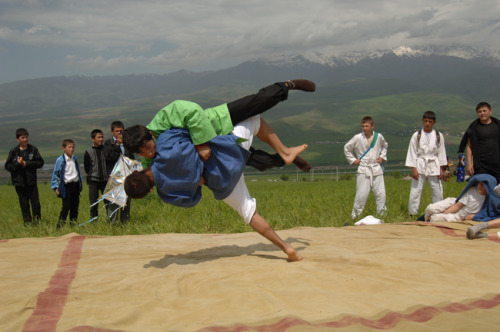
point(300, 84)
point(304, 165)
point(421, 218)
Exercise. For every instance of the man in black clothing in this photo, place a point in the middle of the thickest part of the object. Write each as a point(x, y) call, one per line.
point(483, 143)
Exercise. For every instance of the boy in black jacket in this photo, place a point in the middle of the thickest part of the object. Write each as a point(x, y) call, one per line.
point(22, 163)
point(94, 162)
point(113, 148)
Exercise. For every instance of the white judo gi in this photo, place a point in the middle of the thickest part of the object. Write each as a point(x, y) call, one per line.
point(370, 175)
point(240, 199)
point(472, 201)
point(426, 156)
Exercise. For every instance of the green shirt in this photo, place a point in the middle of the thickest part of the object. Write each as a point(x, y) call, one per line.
point(203, 125)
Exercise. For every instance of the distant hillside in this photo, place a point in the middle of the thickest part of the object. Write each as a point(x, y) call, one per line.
point(393, 87)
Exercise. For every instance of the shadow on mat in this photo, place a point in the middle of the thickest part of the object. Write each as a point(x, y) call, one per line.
point(210, 254)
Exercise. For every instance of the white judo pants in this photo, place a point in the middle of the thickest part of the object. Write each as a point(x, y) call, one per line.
point(363, 186)
point(434, 210)
point(240, 199)
point(417, 186)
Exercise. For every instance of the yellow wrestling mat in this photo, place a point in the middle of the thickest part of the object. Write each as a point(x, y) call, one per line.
point(398, 277)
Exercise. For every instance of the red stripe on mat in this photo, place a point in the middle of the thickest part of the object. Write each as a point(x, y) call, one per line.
point(4, 241)
point(389, 321)
point(446, 230)
point(50, 304)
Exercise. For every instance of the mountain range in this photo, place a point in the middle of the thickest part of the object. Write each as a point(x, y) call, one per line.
point(393, 86)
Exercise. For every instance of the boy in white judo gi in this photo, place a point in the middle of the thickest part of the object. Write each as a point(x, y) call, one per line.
point(427, 158)
point(368, 150)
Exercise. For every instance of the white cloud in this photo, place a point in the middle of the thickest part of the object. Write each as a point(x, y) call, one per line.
point(181, 34)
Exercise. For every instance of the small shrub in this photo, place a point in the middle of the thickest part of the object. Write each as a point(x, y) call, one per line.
point(284, 177)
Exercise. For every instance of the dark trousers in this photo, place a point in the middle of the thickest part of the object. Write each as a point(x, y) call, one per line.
point(114, 210)
point(94, 188)
point(491, 169)
point(71, 202)
point(27, 195)
point(258, 103)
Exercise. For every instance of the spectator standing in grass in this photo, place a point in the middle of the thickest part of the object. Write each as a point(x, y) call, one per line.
point(482, 139)
point(368, 150)
point(67, 183)
point(427, 158)
point(113, 149)
point(94, 162)
point(461, 168)
point(23, 162)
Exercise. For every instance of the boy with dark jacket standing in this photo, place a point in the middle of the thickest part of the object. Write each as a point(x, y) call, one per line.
point(67, 182)
point(113, 148)
point(94, 162)
point(22, 163)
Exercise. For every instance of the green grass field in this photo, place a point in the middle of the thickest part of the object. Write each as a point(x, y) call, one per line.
point(285, 204)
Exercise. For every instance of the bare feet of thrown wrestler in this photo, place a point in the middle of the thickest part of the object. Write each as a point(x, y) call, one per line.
point(290, 154)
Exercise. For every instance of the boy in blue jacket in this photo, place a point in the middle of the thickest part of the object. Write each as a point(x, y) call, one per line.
point(67, 183)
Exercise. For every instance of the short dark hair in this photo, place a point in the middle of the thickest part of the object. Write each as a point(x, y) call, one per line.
point(483, 104)
point(21, 132)
point(137, 185)
point(67, 141)
point(134, 137)
point(429, 115)
point(368, 119)
point(116, 124)
point(94, 133)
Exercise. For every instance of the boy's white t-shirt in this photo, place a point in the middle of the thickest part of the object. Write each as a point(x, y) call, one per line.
point(472, 201)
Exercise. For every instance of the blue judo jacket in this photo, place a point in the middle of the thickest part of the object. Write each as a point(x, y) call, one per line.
point(177, 167)
point(491, 206)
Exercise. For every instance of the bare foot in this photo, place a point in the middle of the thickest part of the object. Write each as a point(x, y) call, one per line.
point(293, 256)
point(290, 154)
point(302, 164)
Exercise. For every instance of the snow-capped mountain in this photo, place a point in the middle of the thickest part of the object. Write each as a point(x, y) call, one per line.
point(492, 56)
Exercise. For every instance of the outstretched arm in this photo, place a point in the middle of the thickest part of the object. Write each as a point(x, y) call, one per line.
point(454, 208)
point(470, 164)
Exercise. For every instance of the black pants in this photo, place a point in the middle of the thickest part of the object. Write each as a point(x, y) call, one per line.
point(27, 195)
point(94, 188)
point(71, 202)
point(491, 169)
point(114, 209)
point(258, 103)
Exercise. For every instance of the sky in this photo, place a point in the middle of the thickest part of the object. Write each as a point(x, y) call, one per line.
point(120, 37)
